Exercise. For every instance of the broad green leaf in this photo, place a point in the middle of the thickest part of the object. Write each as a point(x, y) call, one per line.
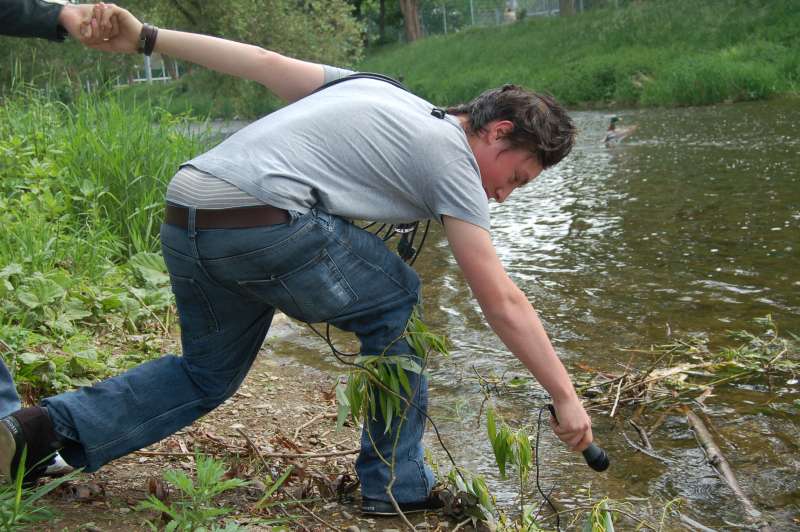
point(11, 269)
point(491, 425)
point(387, 409)
point(403, 378)
point(151, 268)
point(40, 292)
point(342, 404)
point(75, 309)
point(31, 358)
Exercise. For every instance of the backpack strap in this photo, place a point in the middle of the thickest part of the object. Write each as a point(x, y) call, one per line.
point(363, 75)
point(436, 111)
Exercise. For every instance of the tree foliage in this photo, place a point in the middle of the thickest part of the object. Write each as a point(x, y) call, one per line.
point(316, 30)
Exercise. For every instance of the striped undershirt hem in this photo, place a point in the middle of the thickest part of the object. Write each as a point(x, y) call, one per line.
point(191, 187)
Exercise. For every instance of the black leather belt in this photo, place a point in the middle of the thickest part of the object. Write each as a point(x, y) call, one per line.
point(238, 218)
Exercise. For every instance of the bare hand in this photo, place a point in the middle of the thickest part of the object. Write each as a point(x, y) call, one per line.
point(76, 19)
point(574, 426)
point(122, 28)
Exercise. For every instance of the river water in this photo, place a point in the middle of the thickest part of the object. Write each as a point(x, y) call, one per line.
point(690, 226)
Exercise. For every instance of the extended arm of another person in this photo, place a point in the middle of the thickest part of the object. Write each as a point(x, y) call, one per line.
point(288, 78)
point(515, 321)
point(51, 20)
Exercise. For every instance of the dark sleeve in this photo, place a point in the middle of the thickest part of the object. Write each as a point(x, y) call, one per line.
point(31, 18)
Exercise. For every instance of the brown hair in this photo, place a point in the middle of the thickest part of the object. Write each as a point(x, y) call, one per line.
point(541, 125)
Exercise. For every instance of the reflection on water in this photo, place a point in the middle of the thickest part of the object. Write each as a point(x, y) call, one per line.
point(692, 225)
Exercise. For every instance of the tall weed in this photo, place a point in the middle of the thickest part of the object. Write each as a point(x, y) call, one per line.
point(81, 199)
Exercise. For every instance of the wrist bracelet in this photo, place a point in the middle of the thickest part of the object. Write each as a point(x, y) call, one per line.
point(147, 39)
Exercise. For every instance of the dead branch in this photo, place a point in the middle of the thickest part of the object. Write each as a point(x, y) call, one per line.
point(694, 525)
point(720, 464)
point(616, 401)
point(649, 453)
point(642, 435)
point(309, 422)
point(267, 455)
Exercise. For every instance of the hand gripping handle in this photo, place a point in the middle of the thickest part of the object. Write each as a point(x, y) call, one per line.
point(595, 456)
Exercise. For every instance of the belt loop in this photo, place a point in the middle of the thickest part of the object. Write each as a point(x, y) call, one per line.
point(192, 231)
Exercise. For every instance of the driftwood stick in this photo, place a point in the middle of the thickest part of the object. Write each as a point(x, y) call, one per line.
point(648, 452)
point(642, 435)
point(616, 401)
point(717, 460)
point(266, 455)
point(661, 375)
point(309, 422)
point(694, 525)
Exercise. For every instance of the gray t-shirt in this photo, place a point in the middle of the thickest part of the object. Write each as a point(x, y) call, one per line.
point(362, 149)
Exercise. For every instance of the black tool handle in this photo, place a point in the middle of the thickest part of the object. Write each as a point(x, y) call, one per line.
point(594, 455)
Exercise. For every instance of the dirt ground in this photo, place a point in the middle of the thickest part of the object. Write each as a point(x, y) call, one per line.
point(282, 408)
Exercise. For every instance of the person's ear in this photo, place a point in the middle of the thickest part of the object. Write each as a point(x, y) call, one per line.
point(501, 129)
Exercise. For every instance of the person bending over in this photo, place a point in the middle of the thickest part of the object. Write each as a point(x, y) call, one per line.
point(262, 222)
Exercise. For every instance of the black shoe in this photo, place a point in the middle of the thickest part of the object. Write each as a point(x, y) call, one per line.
point(31, 429)
point(376, 507)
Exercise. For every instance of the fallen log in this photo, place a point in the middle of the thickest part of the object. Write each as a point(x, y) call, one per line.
point(720, 464)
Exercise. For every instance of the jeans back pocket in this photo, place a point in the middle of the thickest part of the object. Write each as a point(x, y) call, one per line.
point(315, 292)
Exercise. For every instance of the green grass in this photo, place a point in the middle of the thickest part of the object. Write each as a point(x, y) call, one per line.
point(21, 507)
point(195, 509)
point(655, 53)
point(81, 202)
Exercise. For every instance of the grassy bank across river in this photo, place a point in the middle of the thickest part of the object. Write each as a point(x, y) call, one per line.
point(653, 53)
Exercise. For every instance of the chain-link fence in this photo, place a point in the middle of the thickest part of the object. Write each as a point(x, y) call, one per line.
point(449, 16)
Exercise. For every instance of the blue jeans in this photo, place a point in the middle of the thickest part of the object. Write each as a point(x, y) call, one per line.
point(227, 285)
point(9, 400)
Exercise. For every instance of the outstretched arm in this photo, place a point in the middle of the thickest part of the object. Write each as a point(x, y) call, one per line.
point(290, 79)
point(515, 321)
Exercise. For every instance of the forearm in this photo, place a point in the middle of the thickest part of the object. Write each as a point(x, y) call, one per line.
point(228, 57)
point(518, 326)
point(288, 78)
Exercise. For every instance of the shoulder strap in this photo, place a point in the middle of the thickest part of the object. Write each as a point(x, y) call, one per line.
point(363, 75)
point(436, 111)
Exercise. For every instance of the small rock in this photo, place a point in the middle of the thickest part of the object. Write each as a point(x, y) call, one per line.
point(353, 528)
point(347, 516)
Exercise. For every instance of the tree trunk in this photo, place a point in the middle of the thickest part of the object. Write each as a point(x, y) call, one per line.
point(411, 19)
point(382, 22)
point(566, 8)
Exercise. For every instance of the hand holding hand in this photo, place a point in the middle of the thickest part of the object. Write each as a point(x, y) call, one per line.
point(120, 28)
point(76, 19)
point(573, 426)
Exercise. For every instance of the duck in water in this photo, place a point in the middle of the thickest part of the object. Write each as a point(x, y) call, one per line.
point(615, 134)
